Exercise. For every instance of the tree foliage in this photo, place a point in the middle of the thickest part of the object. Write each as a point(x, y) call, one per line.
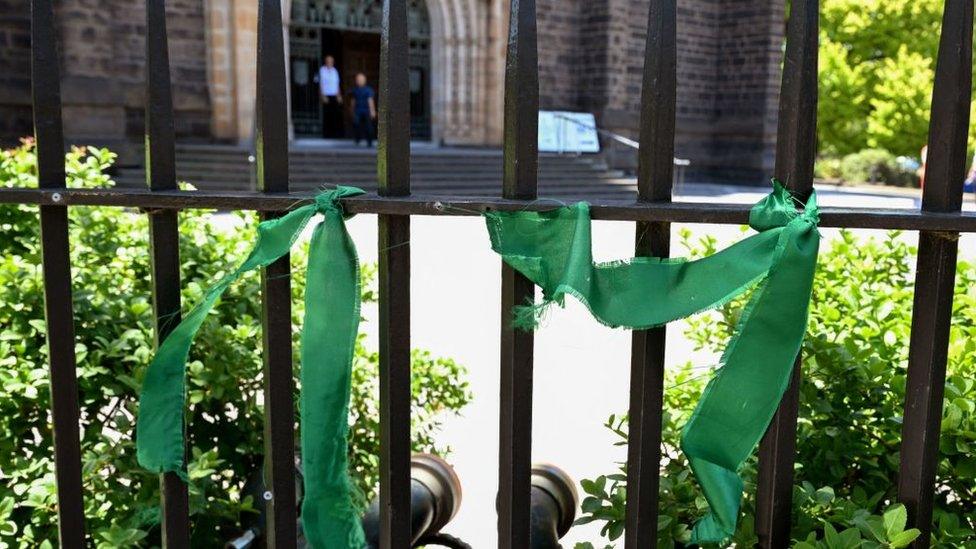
point(877, 67)
point(114, 344)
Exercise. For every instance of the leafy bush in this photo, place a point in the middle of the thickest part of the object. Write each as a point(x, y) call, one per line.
point(851, 398)
point(875, 166)
point(114, 344)
point(827, 167)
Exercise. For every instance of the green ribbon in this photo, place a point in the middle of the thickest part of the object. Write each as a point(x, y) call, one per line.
point(329, 514)
point(553, 250)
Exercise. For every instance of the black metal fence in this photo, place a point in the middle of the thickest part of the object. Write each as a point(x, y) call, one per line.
point(939, 222)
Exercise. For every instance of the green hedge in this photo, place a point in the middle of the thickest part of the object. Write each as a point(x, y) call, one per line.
point(114, 344)
point(851, 398)
point(876, 166)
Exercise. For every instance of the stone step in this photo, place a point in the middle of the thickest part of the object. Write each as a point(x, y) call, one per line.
point(443, 185)
point(352, 151)
point(201, 175)
point(470, 172)
point(495, 171)
point(573, 187)
point(370, 163)
point(356, 155)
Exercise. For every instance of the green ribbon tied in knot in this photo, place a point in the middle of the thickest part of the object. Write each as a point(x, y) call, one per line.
point(553, 250)
point(329, 514)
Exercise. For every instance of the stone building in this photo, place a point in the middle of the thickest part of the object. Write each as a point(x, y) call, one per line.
point(591, 56)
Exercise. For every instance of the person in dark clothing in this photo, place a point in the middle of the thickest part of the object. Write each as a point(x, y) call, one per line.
point(363, 110)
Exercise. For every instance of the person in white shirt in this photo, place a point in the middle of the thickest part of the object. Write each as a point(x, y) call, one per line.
point(330, 92)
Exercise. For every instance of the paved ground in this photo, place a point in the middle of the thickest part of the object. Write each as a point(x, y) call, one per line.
point(582, 368)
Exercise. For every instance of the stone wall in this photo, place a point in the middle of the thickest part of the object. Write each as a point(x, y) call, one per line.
point(188, 64)
point(698, 51)
point(102, 69)
point(560, 53)
point(15, 111)
point(728, 78)
point(748, 81)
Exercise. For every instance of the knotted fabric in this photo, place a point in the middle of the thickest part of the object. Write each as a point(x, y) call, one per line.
point(553, 250)
point(329, 515)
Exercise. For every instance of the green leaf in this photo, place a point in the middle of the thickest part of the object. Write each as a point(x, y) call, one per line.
point(966, 468)
point(872, 526)
point(824, 495)
point(6, 507)
point(903, 539)
point(830, 537)
point(591, 504)
point(850, 538)
point(590, 487)
point(663, 522)
point(895, 519)
point(586, 519)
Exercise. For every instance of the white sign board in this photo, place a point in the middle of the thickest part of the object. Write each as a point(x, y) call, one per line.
point(571, 132)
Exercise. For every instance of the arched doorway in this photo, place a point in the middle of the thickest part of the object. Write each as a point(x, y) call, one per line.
point(349, 30)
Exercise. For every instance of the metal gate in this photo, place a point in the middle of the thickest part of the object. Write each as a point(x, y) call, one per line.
point(939, 222)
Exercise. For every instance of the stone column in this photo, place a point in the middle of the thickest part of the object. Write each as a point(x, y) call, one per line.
point(497, 42)
point(747, 91)
point(467, 63)
point(245, 66)
point(221, 75)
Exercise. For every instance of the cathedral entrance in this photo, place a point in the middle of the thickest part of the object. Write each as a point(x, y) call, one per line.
point(349, 31)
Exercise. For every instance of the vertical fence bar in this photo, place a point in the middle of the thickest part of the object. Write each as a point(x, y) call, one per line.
point(654, 182)
point(520, 181)
point(393, 173)
point(271, 141)
point(795, 152)
point(936, 269)
point(164, 241)
point(655, 176)
point(58, 310)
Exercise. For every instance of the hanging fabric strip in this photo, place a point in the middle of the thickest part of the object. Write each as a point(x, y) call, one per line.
point(329, 515)
point(553, 250)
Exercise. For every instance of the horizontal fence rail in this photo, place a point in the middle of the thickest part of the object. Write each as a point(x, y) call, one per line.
point(939, 222)
point(435, 205)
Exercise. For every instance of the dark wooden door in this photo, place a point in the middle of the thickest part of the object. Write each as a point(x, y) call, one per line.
point(420, 89)
point(354, 43)
point(360, 54)
point(306, 109)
